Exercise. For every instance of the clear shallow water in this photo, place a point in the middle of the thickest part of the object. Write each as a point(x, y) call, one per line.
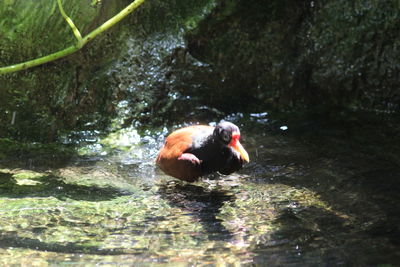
point(309, 198)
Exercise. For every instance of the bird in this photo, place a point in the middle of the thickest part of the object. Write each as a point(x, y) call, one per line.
point(194, 151)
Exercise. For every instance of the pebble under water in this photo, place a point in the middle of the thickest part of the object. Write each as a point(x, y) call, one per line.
point(303, 200)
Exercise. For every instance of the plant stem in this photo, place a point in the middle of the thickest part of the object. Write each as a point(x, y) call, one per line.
point(72, 49)
point(39, 61)
point(75, 30)
point(114, 20)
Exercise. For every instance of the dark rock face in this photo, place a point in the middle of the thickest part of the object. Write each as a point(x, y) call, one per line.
point(195, 60)
point(303, 53)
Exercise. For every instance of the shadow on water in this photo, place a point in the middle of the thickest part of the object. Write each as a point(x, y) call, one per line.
point(299, 235)
point(48, 185)
point(380, 187)
point(203, 204)
point(354, 172)
point(8, 240)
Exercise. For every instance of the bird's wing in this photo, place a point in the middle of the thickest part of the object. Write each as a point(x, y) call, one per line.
point(170, 158)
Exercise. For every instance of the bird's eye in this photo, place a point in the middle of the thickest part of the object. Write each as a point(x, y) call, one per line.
point(226, 137)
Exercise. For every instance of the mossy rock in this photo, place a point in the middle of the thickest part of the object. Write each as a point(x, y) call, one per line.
point(38, 103)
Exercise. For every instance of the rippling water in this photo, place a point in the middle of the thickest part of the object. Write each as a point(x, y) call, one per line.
point(307, 198)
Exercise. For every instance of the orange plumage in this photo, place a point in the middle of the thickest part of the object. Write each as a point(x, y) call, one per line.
point(175, 145)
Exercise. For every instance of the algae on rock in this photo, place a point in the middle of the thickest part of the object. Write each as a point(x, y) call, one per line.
point(39, 103)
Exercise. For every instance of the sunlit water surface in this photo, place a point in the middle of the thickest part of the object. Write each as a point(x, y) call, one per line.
point(301, 201)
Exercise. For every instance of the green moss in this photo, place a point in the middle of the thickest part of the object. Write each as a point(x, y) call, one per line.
point(48, 95)
point(13, 149)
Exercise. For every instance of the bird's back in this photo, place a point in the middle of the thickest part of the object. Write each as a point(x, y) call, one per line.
point(177, 143)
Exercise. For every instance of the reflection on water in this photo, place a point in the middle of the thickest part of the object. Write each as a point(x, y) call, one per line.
point(202, 204)
point(303, 200)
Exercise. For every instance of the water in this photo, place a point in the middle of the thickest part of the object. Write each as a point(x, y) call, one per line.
point(311, 196)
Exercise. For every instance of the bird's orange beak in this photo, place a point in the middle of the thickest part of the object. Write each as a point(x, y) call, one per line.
point(236, 145)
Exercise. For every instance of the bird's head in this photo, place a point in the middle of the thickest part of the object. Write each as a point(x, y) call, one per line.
point(228, 134)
